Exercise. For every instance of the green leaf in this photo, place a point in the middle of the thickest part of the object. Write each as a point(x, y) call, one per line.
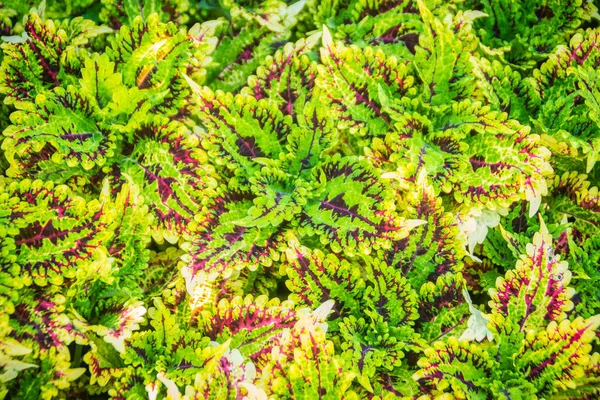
point(441, 62)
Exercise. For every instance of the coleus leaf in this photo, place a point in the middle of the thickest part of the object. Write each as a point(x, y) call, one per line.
point(216, 254)
point(561, 96)
point(317, 278)
point(278, 201)
point(242, 128)
point(245, 133)
point(502, 87)
point(516, 319)
point(104, 362)
point(390, 294)
point(537, 289)
point(204, 294)
point(42, 60)
point(432, 249)
point(52, 327)
point(441, 62)
point(356, 11)
point(586, 382)
point(554, 357)
point(315, 371)
point(455, 147)
point(455, 367)
point(395, 30)
point(408, 133)
point(314, 278)
point(152, 57)
point(442, 309)
point(117, 323)
point(10, 352)
point(56, 236)
point(249, 324)
point(99, 80)
point(313, 136)
point(351, 78)
point(287, 78)
point(52, 234)
point(526, 162)
point(238, 54)
point(68, 39)
point(575, 196)
point(131, 233)
point(161, 276)
point(164, 157)
point(62, 131)
point(60, 218)
point(351, 209)
point(53, 379)
point(81, 32)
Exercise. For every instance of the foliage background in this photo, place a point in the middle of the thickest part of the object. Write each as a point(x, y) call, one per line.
point(336, 199)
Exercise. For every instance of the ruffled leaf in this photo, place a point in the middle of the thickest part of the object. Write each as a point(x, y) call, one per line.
point(537, 289)
point(250, 324)
point(351, 209)
point(552, 358)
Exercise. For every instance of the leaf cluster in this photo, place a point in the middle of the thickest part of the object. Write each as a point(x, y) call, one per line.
point(340, 199)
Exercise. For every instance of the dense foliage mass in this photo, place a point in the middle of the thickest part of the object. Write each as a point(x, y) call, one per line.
point(337, 199)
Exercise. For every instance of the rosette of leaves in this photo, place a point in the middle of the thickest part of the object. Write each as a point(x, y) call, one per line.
point(536, 350)
point(448, 134)
point(69, 269)
point(572, 218)
point(378, 316)
point(96, 101)
point(276, 179)
point(102, 124)
point(384, 100)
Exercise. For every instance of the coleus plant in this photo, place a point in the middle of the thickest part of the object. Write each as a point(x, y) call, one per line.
point(265, 200)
